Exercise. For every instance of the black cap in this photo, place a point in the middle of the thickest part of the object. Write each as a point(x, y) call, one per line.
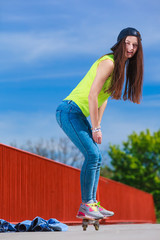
point(126, 32)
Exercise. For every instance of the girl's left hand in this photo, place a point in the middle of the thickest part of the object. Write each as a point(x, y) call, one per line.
point(97, 136)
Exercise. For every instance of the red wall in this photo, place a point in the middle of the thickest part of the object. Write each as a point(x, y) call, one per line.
point(32, 186)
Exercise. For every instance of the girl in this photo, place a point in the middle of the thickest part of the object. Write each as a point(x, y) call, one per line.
point(105, 78)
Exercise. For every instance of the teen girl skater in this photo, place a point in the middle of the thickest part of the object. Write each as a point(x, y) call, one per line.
point(105, 78)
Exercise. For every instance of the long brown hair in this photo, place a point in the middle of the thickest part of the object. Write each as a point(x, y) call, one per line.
point(134, 74)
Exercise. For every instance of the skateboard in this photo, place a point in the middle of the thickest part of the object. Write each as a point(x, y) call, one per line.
point(86, 222)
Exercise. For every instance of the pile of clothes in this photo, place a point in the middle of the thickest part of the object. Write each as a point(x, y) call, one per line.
point(37, 224)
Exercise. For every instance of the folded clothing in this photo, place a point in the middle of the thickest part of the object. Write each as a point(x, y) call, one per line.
point(37, 224)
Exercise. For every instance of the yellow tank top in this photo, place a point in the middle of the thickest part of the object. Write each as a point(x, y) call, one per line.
point(81, 92)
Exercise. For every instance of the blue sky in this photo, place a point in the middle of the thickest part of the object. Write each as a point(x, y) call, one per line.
point(46, 47)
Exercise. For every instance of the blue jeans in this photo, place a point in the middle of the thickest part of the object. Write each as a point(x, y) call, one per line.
point(76, 126)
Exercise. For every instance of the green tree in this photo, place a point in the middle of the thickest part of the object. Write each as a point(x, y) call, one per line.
point(138, 162)
point(106, 172)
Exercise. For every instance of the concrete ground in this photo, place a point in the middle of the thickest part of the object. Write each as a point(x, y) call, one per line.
point(109, 232)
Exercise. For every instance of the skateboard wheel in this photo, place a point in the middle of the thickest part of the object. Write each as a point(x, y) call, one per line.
point(84, 227)
point(96, 226)
point(85, 224)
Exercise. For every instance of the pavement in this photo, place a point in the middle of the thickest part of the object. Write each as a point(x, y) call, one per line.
point(109, 232)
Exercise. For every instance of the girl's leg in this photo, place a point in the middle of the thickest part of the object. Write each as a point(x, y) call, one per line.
point(77, 128)
point(97, 177)
point(89, 175)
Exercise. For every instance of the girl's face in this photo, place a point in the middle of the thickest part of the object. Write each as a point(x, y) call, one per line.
point(131, 43)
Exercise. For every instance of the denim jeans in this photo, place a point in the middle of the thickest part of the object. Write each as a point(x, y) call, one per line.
point(76, 126)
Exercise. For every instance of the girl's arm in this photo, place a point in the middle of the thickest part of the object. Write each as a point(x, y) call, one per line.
point(101, 111)
point(104, 70)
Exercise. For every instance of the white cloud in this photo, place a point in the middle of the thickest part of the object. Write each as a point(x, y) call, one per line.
point(151, 101)
point(22, 126)
point(29, 46)
point(118, 121)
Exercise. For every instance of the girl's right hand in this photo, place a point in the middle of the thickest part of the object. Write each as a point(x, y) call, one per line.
point(97, 136)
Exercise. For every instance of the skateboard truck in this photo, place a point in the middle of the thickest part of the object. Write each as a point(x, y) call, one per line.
point(87, 222)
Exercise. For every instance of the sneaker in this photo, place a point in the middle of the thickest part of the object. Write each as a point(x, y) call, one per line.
point(89, 211)
point(103, 211)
